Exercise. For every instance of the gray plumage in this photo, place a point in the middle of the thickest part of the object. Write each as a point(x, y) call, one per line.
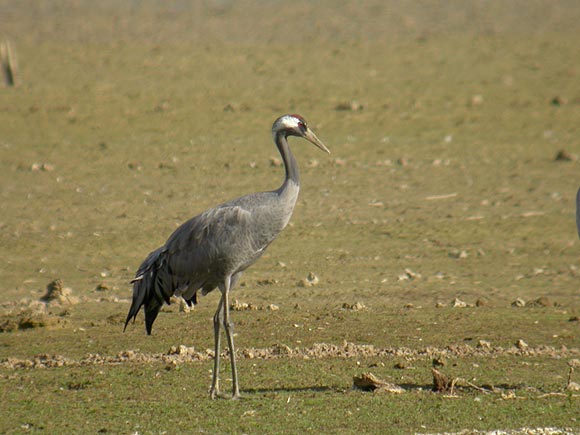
point(214, 248)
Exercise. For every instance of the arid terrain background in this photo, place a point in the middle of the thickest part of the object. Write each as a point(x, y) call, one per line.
point(441, 230)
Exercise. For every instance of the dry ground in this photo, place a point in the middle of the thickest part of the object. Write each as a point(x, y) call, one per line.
point(441, 227)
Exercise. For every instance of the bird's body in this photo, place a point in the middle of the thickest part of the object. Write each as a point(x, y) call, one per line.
point(194, 259)
point(213, 248)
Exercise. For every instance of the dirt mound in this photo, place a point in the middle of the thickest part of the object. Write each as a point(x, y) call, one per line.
point(27, 313)
point(55, 292)
point(28, 319)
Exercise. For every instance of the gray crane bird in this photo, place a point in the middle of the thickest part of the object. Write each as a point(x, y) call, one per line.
point(213, 249)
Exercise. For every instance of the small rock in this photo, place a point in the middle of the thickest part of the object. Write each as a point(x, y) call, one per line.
point(162, 106)
point(483, 344)
point(538, 271)
point(519, 302)
point(574, 363)
point(557, 101)
point(273, 307)
point(312, 163)
point(357, 306)
point(239, 306)
point(44, 167)
point(480, 302)
point(563, 156)
point(102, 287)
point(309, 281)
point(409, 274)
point(275, 161)
point(457, 303)
point(438, 275)
point(521, 344)
point(249, 413)
point(181, 350)
point(267, 281)
point(353, 106)
point(542, 301)
point(438, 362)
point(235, 107)
point(171, 365)
point(456, 253)
point(476, 100)
point(440, 305)
point(184, 307)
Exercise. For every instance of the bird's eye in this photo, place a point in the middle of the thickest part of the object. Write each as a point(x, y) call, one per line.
point(302, 126)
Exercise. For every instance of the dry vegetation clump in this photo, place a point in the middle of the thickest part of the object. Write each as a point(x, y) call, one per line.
point(369, 382)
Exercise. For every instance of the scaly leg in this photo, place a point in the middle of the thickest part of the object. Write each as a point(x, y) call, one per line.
point(218, 318)
point(228, 326)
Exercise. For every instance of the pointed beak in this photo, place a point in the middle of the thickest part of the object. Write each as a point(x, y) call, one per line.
point(311, 137)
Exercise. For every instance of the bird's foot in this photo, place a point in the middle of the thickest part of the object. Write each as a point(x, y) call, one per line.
point(214, 393)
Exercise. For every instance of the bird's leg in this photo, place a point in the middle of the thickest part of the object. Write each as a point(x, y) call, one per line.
point(217, 321)
point(228, 326)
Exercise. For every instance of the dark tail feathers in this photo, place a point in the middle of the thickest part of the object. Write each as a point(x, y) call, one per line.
point(149, 289)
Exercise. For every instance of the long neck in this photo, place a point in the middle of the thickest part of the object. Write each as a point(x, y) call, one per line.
point(290, 165)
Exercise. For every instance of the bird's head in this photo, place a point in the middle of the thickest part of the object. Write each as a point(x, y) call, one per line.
point(295, 125)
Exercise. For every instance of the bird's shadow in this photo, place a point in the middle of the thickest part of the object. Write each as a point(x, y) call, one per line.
point(408, 387)
point(311, 389)
point(326, 389)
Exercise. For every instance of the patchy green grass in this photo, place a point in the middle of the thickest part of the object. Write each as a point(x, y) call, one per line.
point(499, 389)
point(314, 395)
